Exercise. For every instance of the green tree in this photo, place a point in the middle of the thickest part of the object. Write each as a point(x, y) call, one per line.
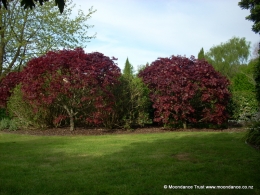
point(254, 7)
point(128, 69)
point(227, 57)
point(25, 34)
point(201, 55)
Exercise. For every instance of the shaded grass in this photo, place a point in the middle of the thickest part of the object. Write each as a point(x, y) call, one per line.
point(127, 164)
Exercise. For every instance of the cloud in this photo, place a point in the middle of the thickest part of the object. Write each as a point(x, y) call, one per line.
point(146, 29)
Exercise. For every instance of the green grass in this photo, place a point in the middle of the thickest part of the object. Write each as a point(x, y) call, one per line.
point(127, 164)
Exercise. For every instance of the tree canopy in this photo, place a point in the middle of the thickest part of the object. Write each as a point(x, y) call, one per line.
point(227, 56)
point(128, 69)
point(26, 34)
point(76, 82)
point(186, 90)
point(201, 55)
point(31, 3)
point(254, 8)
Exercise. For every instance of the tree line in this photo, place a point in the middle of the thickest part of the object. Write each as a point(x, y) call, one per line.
point(72, 87)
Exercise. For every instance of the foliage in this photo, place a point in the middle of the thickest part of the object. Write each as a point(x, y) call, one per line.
point(9, 124)
point(26, 34)
point(253, 134)
point(128, 69)
point(76, 82)
point(30, 3)
point(201, 55)
point(4, 124)
point(132, 103)
point(186, 90)
point(257, 80)
point(24, 114)
point(13, 125)
point(6, 86)
point(246, 105)
point(3, 113)
point(241, 82)
point(254, 7)
point(226, 57)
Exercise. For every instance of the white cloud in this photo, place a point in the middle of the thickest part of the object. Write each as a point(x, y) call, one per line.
point(146, 29)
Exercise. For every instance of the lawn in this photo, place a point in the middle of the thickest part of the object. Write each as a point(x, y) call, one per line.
point(128, 164)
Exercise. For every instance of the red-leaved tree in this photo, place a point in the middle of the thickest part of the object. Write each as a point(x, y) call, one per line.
point(186, 90)
point(7, 84)
point(76, 82)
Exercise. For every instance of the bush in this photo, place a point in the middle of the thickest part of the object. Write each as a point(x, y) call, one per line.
point(187, 91)
point(76, 83)
point(13, 126)
point(3, 113)
point(245, 105)
point(253, 134)
point(25, 116)
point(7, 84)
point(132, 103)
point(4, 124)
point(8, 124)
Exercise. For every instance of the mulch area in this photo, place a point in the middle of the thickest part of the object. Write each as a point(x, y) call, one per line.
point(100, 131)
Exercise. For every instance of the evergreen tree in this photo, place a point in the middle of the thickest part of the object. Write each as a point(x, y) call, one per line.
point(201, 55)
point(128, 69)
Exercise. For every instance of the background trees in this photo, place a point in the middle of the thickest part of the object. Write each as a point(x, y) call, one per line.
point(253, 135)
point(186, 90)
point(254, 7)
point(201, 55)
point(226, 57)
point(25, 34)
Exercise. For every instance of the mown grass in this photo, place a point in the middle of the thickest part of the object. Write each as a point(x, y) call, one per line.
point(127, 164)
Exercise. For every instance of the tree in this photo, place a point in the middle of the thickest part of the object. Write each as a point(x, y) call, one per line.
point(226, 57)
point(31, 4)
point(254, 7)
point(25, 34)
point(132, 101)
point(201, 55)
point(128, 69)
point(186, 90)
point(7, 84)
point(78, 83)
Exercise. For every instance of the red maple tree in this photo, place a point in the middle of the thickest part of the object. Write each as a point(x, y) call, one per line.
point(76, 82)
point(186, 90)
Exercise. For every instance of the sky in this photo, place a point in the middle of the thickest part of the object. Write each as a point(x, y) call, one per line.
point(144, 30)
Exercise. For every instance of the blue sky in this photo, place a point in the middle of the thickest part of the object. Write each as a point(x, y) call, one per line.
point(144, 30)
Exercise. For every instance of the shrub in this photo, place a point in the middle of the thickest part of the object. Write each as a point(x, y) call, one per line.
point(13, 125)
point(6, 86)
point(246, 105)
point(253, 134)
point(10, 124)
point(3, 113)
point(4, 124)
point(72, 82)
point(24, 113)
point(132, 103)
point(187, 91)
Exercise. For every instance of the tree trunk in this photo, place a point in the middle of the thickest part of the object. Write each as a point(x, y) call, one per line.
point(184, 125)
point(72, 126)
point(71, 116)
